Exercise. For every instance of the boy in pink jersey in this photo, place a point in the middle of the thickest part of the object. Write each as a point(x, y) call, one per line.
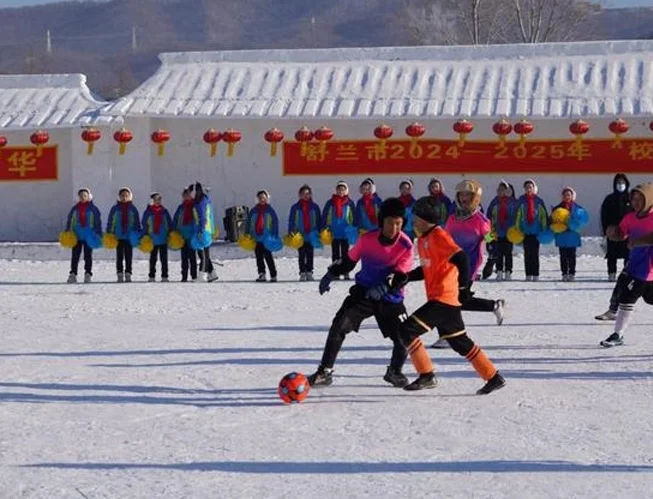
point(382, 252)
point(469, 228)
point(637, 227)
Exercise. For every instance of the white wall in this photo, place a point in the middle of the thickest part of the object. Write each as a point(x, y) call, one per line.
point(234, 181)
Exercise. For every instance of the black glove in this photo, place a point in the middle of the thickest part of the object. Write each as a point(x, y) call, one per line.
point(399, 280)
point(464, 294)
point(376, 293)
point(325, 282)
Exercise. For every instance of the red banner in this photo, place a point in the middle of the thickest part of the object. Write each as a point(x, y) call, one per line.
point(27, 163)
point(442, 156)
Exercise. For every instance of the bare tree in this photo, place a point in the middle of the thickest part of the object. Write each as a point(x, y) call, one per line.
point(478, 22)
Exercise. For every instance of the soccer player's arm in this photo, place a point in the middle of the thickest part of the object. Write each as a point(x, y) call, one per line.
point(461, 261)
point(349, 261)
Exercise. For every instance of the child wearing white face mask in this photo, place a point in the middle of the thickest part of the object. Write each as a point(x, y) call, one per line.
point(614, 208)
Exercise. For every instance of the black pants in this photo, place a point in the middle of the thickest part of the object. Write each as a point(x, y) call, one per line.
point(478, 304)
point(354, 310)
point(306, 253)
point(531, 255)
point(206, 264)
point(568, 261)
point(188, 262)
point(263, 256)
point(160, 250)
point(616, 250)
point(619, 287)
point(125, 252)
point(504, 255)
point(339, 248)
point(88, 258)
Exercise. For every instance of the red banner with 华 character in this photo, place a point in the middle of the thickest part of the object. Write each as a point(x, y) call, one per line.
point(442, 156)
point(28, 164)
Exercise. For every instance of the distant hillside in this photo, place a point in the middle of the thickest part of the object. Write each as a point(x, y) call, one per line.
point(116, 42)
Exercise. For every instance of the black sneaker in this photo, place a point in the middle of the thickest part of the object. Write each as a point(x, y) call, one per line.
point(497, 382)
point(614, 340)
point(395, 377)
point(423, 382)
point(261, 278)
point(322, 377)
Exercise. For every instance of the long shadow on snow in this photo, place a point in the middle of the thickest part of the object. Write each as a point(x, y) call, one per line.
point(353, 467)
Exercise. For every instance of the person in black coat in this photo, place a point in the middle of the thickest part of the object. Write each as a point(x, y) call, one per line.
point(615, 206)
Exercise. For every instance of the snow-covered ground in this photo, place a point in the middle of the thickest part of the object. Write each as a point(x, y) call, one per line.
point(169, 390)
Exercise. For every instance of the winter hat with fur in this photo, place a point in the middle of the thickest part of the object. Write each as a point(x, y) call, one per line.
point(434, 181)
point(342, 183)
point(86, 190)
point(569, 189)
point(407, 182)
point(371, 184)
point(392, 207)
point(263, 191)
point(531, 181)
point(303, 188)
point(153, 195)
point(130, 196)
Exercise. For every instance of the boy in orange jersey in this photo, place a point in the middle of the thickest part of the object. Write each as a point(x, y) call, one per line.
point(445, 270)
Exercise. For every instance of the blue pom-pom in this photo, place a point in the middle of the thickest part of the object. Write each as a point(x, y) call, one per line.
point(352, 234)
point(579, 219)
point(546, 237)
point(314, 239)
point(273, 243)
point(93, 240)
point(200, 241)
point(134, 238)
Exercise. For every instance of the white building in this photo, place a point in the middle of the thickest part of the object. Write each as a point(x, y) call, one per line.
point(354, 90)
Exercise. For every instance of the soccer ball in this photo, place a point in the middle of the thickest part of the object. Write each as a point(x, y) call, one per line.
point(293, 387)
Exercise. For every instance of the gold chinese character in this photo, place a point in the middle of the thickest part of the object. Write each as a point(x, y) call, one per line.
point(640, 151)
point(347, 152)
point(579, 150)
point(22, 162)
point(377, 152)
point(316, 152)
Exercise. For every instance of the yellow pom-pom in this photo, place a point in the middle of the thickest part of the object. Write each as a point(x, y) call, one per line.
point(293, 240)
point(247, 242)
point(175, 240)
point(109, 241)
point(326, 237)
point(515, 235)
point(558, 227)
point(146, 245)
point(68, 239)
point(560, 216)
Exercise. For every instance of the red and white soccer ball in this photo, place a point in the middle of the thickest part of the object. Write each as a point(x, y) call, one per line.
point(293, 388)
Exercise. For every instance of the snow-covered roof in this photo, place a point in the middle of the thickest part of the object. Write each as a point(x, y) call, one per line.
point(34, 101)
point(542, 80)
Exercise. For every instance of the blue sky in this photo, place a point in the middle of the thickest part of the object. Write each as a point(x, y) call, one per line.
point(610, 3)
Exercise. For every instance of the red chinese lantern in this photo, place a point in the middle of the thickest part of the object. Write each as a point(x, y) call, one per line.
point(212, 137)
point(618, 127)
point(91, 136)
point(502, 129)
point(160, 137)
point(463, 128)
point(123, 137)
point(3, 141)
point(383, 132)
point(415, 131)
point(304, 136)
point(523, 128)
point(579, 128)
point(273, 136)
point(322, 135)
point(231, 137)
point(39, 139)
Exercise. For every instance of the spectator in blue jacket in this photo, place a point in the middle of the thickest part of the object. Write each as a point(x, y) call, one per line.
point(367, 207)
point(262, 223)
point(205, 230)
point(532, 219)
point(569, 240)
point(157, 224)
point(406, 197)
point(83, 217)
point(502, 212)
point(305, 219)
point(123, 222)
point(338, 216)
point(185, 221)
